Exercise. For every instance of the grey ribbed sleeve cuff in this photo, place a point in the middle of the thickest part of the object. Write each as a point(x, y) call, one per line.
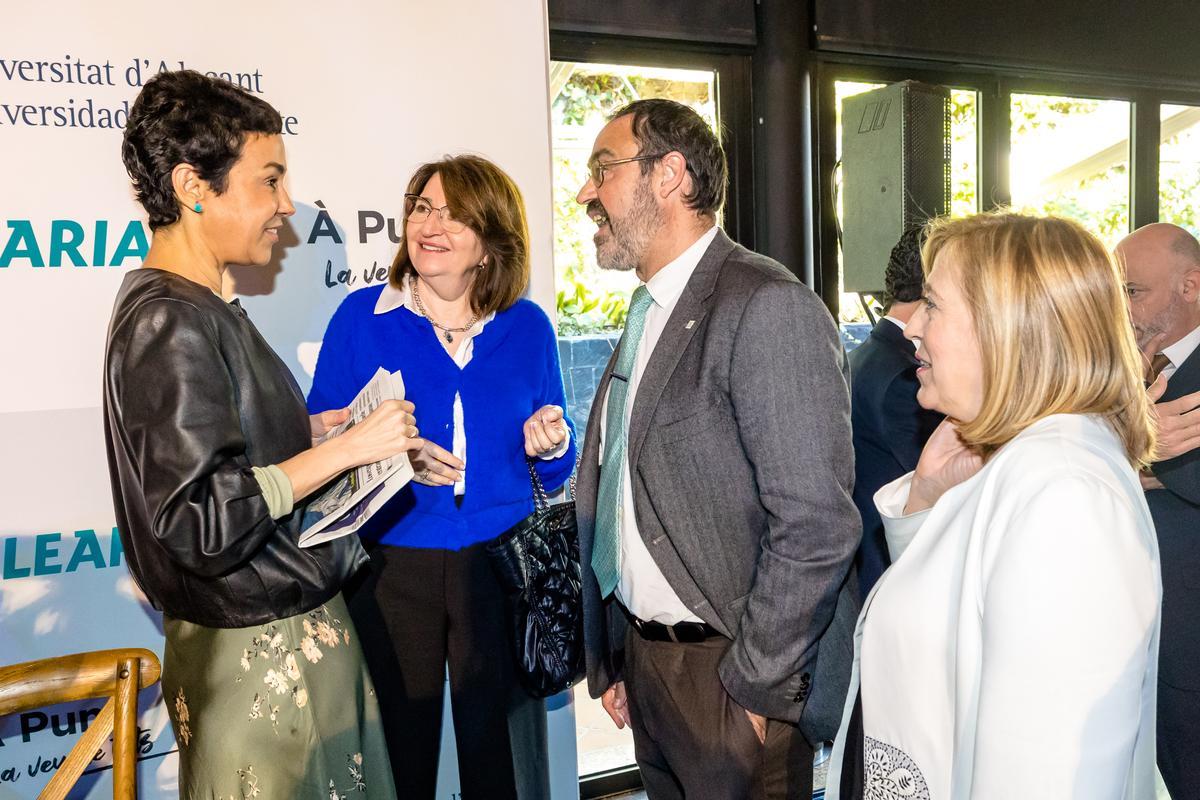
point(276, 489)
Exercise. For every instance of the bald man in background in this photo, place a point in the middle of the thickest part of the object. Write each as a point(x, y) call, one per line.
point(1162, 276)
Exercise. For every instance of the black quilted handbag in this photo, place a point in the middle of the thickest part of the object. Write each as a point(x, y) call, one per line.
point(537, 563)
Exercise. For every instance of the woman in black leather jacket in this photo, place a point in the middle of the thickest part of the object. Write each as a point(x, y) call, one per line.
point(211, 452)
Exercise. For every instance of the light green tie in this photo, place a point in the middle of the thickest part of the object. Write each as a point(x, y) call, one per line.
point(606, 547)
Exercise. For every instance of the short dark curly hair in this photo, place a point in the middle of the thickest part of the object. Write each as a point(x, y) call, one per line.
point(663, 126)
point(904, 277)
point(185, 117)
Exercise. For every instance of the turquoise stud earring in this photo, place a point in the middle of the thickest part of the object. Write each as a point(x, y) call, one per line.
point(197, 208)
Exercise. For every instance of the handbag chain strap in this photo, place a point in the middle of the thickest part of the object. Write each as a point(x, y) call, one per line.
point(540, 501)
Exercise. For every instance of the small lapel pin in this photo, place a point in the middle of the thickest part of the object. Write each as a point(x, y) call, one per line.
point(689, 325)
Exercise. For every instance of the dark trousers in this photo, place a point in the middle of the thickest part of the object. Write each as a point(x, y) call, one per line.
point(692, 740)
point(1179, 741)
point(417, 610)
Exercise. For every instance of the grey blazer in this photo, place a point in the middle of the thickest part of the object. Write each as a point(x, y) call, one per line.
point(742, 467)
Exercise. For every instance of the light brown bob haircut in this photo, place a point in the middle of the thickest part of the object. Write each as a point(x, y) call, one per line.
point(486, 200)
point(1052, 320)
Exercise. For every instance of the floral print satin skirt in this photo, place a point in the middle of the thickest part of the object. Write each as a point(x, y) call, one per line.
point(280, 710)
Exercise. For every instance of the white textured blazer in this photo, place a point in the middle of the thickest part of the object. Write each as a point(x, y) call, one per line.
point(1011, 650)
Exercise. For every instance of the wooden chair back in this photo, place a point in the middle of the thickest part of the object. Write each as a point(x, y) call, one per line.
point(115, 674)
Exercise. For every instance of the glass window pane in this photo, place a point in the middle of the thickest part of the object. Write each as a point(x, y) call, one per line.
point(592, 302)
point(1179, 166)
point(964, 152)
point(1070, 157)
point(964, 137)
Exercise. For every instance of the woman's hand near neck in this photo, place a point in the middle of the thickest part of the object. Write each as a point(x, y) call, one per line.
point(178, 250)
point(447, 299)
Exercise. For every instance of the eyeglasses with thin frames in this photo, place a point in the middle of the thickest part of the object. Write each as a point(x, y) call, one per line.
point(417, 209)
point(597, 168)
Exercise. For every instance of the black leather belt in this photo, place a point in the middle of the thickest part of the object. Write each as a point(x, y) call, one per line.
point(688, 632)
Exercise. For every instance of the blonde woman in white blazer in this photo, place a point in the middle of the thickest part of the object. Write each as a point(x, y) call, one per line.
point(1012, 648)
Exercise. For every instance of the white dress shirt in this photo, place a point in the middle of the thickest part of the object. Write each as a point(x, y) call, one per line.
point(642, 588)
point(1179, 352)
point(392, 298)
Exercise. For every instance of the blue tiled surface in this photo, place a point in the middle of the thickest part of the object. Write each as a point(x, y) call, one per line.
point(584, 358)
point(854, 334)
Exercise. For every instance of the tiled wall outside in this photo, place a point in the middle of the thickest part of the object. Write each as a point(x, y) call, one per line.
point(583, 360)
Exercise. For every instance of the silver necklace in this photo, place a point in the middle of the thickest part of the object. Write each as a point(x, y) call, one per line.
point(447, 333)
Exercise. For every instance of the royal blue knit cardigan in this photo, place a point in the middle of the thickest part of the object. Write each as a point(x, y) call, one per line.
point(514, 370)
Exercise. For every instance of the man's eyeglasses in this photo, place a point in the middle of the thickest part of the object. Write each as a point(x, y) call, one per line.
point(597, 168)
point(417, 209)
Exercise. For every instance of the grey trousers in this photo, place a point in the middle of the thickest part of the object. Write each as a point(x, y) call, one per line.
point(692, 740)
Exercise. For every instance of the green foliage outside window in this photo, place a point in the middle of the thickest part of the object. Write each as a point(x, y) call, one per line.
point(963, 152)
point(582, 309)
point(1091, 185)
point(1177, 194)
point(1179, 166)
point(589, 299)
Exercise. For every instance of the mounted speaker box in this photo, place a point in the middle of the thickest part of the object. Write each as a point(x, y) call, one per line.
point(895, 173)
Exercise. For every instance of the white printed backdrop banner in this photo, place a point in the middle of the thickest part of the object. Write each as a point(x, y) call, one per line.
point(368, 90)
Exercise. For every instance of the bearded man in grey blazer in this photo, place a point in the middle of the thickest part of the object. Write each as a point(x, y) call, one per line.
point(717, 528)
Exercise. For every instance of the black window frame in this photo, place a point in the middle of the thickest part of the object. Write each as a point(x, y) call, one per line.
point(732, 67)
point(994, 88)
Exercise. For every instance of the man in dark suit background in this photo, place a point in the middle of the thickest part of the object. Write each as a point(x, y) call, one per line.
point(716, 525)
point(890, 427)
point(1162, 272)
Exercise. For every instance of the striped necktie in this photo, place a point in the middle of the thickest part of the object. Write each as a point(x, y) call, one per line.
point(606, 547)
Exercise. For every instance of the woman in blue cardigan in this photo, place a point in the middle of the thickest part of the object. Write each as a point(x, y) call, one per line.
point(482, 366)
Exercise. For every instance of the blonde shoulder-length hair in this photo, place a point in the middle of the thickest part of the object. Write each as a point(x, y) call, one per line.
point(1052, 320)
